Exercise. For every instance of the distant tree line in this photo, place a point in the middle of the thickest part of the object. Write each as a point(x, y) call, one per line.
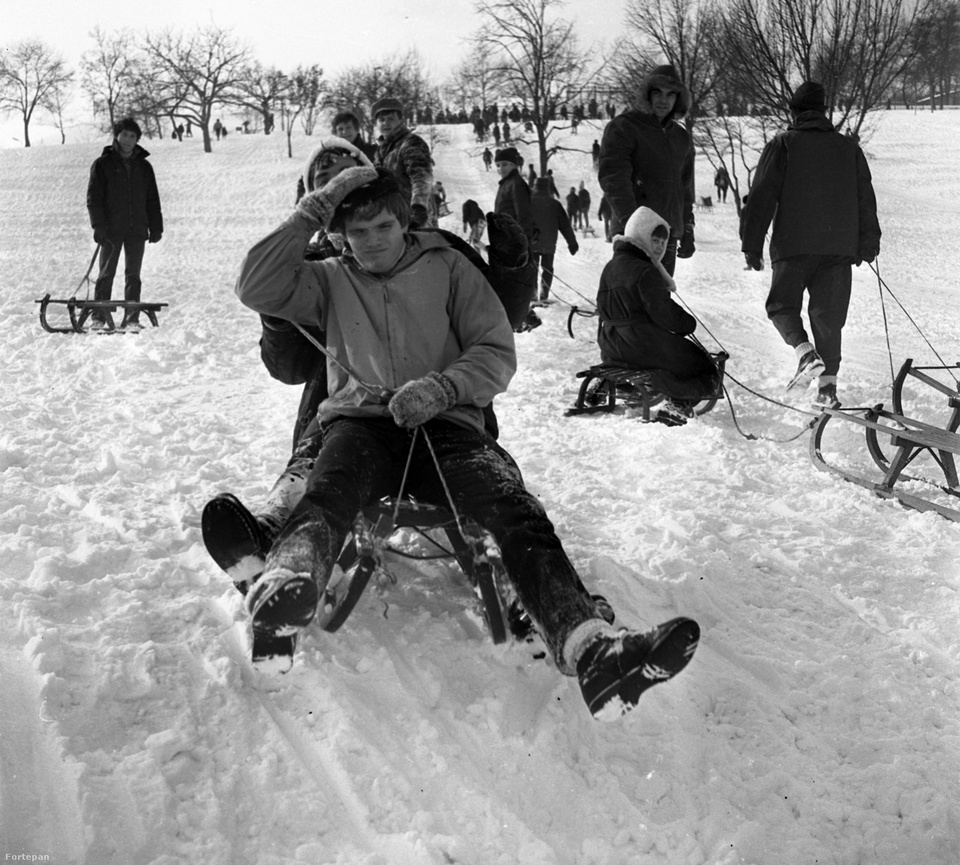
point(740, 59)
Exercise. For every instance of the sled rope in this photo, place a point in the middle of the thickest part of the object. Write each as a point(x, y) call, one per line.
point(376, 389)
point(86, 276)
point(882, 284)
point(443, 481)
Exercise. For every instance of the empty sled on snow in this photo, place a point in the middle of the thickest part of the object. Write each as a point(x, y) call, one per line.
point(79, 311)
point(909, 438)
point(604, 384)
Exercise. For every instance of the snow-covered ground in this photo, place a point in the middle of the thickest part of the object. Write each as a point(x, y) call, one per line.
point(818, 722)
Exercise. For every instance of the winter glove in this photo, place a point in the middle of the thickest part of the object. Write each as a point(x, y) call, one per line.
point(574, 247)
point(422, 399)
point(418, 217)
point(754, 261)
point(100, 236)
point(687, 247)
point(279, 325)
point(507, 244)
point(321, 203)
point(866, 255)
point(155, 236)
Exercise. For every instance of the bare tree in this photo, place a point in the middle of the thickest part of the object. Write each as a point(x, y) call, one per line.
point(474, 82)
point(306, 95)
point(536, 59)
point(261, 90)
point(107, 71)
point(935, 40)
point(31, 76)
point(855, 48)
point(197, 72)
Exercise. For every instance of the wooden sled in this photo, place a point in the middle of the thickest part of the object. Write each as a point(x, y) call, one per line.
point(444, 210)
point(79, 311)
point(589, 231)
point(474, 549)
point(604, 384)
point(909, 438)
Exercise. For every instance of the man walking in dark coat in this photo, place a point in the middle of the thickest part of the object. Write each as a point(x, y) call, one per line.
point(646, 159)
point(815, 185)
point(124, 207)
point(551, 220)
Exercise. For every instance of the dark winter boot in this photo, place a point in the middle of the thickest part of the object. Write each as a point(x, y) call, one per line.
point(286, 596)
point(810, 366)
point(615, 669)
point(236, 540)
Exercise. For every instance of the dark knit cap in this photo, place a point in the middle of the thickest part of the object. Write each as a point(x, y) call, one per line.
point(667, 74)
point(541, 184)
point(508, 154)
point(387, 103)
point(809, 96)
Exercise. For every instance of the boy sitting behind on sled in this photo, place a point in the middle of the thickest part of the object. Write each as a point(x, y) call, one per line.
point(419, 344)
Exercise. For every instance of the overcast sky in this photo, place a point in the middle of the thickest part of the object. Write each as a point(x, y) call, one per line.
point(334, 33)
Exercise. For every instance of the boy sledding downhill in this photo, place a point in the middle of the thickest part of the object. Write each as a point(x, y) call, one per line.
point(423, 344)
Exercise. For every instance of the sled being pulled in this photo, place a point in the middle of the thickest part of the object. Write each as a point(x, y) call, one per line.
point(604, 384)
point(80, 310)
point(908, 438)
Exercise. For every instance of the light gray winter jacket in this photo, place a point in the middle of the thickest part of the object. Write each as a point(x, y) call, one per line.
point(432, 312)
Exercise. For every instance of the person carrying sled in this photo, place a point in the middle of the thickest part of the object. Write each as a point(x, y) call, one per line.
point(646, 159)
point(551, 220)
point(814, 184)
point(123, 203)
point(407, 155)
point(642, 327)
point(420, 395)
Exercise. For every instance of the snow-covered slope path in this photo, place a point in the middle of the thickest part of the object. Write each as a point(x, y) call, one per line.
point(817, 723)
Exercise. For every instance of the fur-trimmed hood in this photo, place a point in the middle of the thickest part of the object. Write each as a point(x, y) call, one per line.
point(638, 232)
point(664, 77)
point(332, 142)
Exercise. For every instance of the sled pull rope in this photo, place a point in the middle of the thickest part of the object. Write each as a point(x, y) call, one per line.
point(86, 276)
point(376, 389)
point(443, 480)
point(406, 472)
point(883, 285)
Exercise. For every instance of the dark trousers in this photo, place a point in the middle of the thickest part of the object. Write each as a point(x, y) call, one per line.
point(363, 460)
point(132, 248)
point(545, 263)
point(827, 280)
point(669, 260)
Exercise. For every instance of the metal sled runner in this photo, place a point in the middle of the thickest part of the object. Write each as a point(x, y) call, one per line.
point(909, 438)
point(604, 384)
point(474, 548)
point(79, 311)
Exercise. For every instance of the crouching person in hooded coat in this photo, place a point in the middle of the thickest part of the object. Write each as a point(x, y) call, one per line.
point(449, 353)
point(642, 327)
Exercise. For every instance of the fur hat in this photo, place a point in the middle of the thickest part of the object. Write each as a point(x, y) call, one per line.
point(387, 103)
point(809, 96)
point(509, 154)
point(331, 145)
point(666, 78)
point(639, 232)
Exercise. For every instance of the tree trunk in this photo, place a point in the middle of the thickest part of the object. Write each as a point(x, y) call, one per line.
point(207, 146)
point(26, 132)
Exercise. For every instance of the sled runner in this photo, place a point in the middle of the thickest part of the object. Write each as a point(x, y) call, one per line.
point(79, 311)
point(474, 548)
point(604, 384)
point(588, 231)
point(908, 437)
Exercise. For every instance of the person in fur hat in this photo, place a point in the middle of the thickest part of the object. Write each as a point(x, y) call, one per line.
point(646, 159)
point(641, 326)
point(814, 184)
point(451, 351)
point(407, 155)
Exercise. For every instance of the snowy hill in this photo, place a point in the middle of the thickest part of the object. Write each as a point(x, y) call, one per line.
point(818, 722)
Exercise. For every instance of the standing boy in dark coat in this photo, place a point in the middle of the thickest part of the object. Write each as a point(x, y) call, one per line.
point(407, 155)
point(815, 185)
point(551, 220)
point(646, 158)
point(124, 207)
